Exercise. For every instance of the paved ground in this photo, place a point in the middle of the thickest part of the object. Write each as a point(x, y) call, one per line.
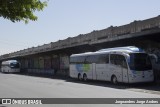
point(24, 86)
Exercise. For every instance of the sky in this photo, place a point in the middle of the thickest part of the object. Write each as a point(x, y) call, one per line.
point(68, 18)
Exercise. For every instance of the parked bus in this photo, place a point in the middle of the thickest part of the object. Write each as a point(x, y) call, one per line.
point(10, 66)
point(122, 64)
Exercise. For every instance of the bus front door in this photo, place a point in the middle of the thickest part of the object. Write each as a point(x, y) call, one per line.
point(124, 72)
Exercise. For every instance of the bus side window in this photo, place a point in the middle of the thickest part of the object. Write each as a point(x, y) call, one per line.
point(98, 59)
point(103, 59)
point(107, 58)
point(123, 62)
point(91, 59)
point(78, 60)
point(112, 59)
point(124, 65)
point(118, 60)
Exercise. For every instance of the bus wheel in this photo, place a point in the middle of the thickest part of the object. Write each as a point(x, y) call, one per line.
point(79, 77)
point(114, 80)
point(84, 77)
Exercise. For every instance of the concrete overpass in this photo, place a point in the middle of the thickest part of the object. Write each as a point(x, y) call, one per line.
point(55, 56)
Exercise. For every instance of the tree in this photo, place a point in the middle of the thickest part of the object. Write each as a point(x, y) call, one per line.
point(20, 10)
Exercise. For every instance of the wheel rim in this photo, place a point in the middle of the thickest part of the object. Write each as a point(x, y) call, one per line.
point(85, 78)
point(79, 77)
point(114, 80)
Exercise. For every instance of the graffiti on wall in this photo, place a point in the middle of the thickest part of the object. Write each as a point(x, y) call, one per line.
point(64, 62)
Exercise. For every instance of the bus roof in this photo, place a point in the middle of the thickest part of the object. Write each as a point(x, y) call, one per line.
point(127, 49)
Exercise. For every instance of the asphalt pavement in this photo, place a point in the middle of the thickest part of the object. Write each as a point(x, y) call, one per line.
point(27, 86)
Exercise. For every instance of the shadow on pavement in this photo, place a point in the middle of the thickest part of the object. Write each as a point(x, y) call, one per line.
point(153, 86)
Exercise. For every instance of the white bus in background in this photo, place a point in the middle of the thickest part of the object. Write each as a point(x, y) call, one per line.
point(10, 66)
point(122, 64)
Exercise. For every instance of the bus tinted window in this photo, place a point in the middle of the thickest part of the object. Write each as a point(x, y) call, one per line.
point(99, 59)
point(140, 62)
point(91, 59)
point(14, 65)
point(78, 59)
point(103, 59)
point(118, 60)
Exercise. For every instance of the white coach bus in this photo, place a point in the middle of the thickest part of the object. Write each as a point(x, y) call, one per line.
point(10, 66)
point(122, 64)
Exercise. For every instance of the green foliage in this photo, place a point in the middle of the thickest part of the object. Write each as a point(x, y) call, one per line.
point(20, 10)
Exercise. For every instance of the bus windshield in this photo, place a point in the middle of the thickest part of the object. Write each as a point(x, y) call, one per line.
point(14, 65)
point(140, 62)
